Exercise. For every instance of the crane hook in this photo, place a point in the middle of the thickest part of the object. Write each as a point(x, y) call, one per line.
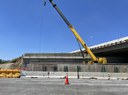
point(44, 2)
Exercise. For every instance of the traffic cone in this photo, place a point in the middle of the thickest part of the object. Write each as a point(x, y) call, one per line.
point(66, 80)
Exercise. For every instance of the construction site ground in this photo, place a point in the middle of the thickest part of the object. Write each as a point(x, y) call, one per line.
point(50, 86)
point(6, 66)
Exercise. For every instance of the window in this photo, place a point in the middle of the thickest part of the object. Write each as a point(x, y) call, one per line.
point(65, 68)
point(103, 69)
point(44, 68)
point(78, 69)
point(55, 68)
point(116, 70)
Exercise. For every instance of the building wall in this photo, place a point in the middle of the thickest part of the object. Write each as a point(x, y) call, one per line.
point(66, 64)
point(49, 64)
point(74, 68)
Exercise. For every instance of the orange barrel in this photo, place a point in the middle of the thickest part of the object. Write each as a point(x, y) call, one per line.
point(8, 71)
point(16, 75)
point(10, 75)
point(16, 71)
point(3, 75)
point(2, 70)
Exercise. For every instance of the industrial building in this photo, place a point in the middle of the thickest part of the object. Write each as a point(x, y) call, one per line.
point(74, 61)
point(53, 61)
point(67, 62)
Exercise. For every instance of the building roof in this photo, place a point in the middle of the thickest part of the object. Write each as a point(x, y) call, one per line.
point(53, 55)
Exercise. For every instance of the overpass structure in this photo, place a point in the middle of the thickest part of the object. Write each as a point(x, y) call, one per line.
point(115, 51)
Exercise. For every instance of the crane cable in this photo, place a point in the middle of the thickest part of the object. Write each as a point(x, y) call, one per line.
point(80, 48)
point(40, 38)
point(44, 1)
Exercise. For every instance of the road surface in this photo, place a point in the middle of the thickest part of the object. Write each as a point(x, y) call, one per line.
point(47, 86)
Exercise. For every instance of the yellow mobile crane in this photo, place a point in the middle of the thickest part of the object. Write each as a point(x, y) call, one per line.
point(101, 60)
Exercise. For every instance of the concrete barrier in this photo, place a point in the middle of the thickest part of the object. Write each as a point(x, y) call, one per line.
point(88, 75)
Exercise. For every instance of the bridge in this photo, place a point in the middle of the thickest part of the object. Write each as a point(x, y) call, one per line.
point(114, 51)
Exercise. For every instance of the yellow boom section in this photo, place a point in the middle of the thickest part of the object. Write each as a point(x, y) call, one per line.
point(83, 43)
point(94, 58)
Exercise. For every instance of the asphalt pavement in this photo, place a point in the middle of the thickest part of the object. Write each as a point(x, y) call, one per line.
point(47, 86)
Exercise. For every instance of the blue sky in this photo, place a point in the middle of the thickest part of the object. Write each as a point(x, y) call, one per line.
point(26, 26)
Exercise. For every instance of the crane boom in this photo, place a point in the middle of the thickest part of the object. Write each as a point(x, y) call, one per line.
point(94, 58)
